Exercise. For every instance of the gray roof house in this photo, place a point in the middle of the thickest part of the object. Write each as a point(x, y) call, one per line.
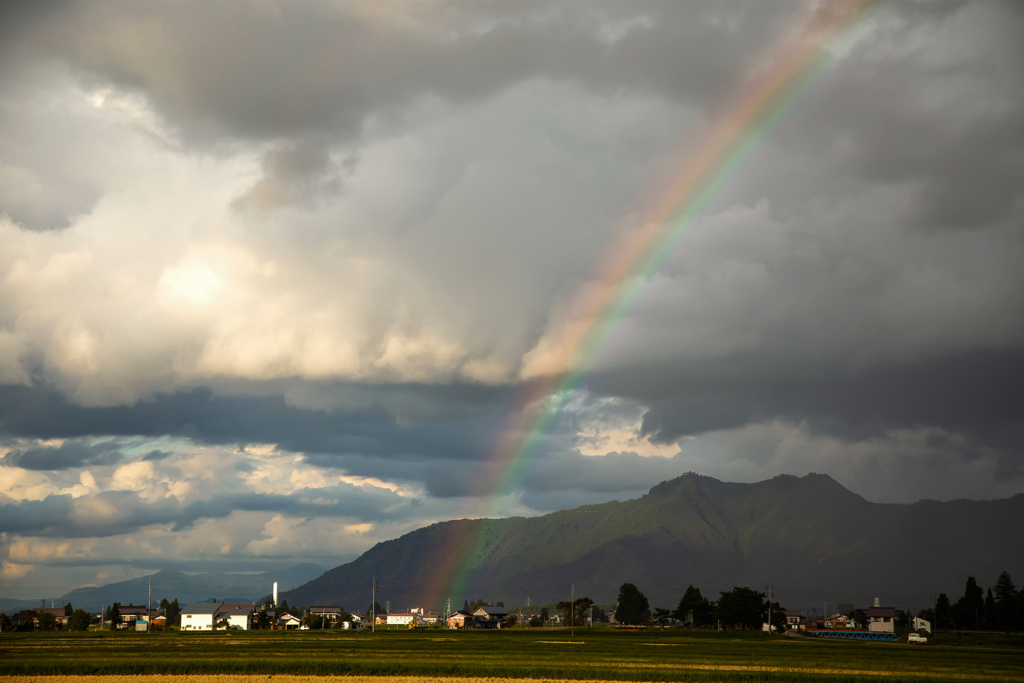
point(488, 616)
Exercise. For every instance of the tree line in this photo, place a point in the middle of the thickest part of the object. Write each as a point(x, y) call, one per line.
point(1001, 608)
point(741, 607)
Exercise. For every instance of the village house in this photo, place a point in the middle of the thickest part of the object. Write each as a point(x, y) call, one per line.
point(132, 614)
point(922, 624)
point(793, 618)
point(199, 616)
point(881, 619)
point(288, 622)
point(460, 620)
point(488, 616)
point(838, 621)
point(330, 613)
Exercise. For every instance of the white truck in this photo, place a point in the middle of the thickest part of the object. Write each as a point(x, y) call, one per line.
point(916, 638)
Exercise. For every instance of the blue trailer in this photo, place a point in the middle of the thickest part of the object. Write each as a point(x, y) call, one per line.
point(845, 634)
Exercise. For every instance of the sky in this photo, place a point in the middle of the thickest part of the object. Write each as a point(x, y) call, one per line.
point(275, 276)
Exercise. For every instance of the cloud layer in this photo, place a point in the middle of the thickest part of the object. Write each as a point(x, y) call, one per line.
point(274, 277)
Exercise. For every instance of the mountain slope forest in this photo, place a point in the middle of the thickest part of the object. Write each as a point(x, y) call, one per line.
point(808, 536)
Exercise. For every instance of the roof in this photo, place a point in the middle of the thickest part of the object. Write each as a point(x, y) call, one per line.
point(237, 605)
point(241, 611)
point(402, 614)
point(201, 608)
point(491, 611)
point(132, 609)
point(326, 609)
point(881, 611)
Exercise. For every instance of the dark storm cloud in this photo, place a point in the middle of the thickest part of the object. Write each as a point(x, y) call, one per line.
point(111, 513)
point(69, 455)
point(979, 395)
point(942, 118)
point(292, 68)
point(200, 415)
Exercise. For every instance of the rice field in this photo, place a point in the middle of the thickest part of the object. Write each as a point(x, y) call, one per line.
point(597, 654)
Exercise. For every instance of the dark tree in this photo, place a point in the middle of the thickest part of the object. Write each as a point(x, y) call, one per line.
point(68, 610)
point(26, 620)
point(80, 620)
point(47, 621)
point(499, 604)
point(942, 611)
point(990, 610)
point(263, 620)
point(581, 606)
point(1006, 602)
point(545, 615)
point(465, 605)
point(174, 613)
point(742, 608)
point(633, 606)
point(968, 610)
point(778, 613)
point(694, 605)
point(597, 615)
point(113, 615)
point(535, 621)
point(375, 608)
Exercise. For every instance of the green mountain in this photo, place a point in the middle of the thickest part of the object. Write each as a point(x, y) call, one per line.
point(810, 537)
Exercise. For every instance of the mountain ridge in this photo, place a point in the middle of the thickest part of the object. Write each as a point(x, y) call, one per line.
point(173, 584)
point(809, 533)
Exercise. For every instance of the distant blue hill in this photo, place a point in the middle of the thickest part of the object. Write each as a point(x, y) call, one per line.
point(185, 587)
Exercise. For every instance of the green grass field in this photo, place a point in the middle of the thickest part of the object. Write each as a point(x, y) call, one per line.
point(594, 654)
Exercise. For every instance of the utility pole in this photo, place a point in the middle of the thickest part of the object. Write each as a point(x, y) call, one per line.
point(149, 606)
point(769, 609)
point(373, 605)
point(572, 611)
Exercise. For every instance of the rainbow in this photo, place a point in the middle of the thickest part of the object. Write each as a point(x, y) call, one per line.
point(742, 125)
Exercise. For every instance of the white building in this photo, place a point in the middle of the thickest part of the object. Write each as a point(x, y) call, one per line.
point(401, 619)
point(922, 624)
point(240, 618)
point(199, 616)
point(882, 619)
